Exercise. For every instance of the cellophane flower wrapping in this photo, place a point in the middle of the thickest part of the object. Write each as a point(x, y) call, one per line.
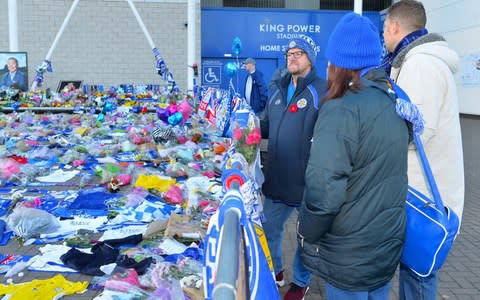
point(246, 136)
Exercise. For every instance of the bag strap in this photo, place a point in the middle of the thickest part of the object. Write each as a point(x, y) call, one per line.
point(401, 94)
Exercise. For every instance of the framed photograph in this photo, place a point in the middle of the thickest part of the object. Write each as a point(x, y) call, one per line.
point(13, 70)
point(63, 83)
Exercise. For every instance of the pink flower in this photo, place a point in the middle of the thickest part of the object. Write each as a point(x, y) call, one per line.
point(78, 162)
point(10, 167)
point(254, 137)
point(237, 134)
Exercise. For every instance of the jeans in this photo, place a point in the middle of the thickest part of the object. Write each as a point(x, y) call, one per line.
point(334, 293)
point(414, 287)
point(276, 215)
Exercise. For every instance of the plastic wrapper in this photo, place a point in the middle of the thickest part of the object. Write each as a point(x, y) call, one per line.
point(69, 156)
point(44, 153)
point(160, 183)
point(246, 135)
point(123, 280)
point(135, 197)
point(125, 283)
point(168, 290)
point(8, 168)
point(176, 170)
point(174, 195)
point(31, 222)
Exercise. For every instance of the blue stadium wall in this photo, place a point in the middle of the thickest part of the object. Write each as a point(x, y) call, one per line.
point(264, 34)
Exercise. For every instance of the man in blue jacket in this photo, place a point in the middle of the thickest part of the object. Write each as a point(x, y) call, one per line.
point(255, 88)
point(14, 77)
point(288, 123)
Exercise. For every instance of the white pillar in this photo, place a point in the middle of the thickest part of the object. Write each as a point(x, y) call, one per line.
point(191, 41)
point(12, 25)
point(357, 6)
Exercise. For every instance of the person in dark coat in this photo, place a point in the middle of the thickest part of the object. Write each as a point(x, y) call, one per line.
point(288, 122)
point(255, 89)
point(352, 220)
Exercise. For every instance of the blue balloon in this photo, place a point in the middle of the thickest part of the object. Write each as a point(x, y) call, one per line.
point(175, 119)
point(237, 46)
point(230, 69)
point(108, 106)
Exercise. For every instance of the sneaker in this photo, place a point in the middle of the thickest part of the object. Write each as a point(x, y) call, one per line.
point(279, 280)
point(295, 292)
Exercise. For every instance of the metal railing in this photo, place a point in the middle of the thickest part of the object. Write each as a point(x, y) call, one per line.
point(228, 261)
point(231, 282)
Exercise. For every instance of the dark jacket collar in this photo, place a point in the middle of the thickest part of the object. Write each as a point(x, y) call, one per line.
point(302, 82)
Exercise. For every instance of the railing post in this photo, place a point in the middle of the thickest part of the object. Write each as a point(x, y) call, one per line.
point(228, 257)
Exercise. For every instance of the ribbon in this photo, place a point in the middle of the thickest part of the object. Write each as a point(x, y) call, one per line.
point(45, 66)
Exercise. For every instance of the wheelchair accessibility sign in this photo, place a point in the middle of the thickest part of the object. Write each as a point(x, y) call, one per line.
point(212, 73)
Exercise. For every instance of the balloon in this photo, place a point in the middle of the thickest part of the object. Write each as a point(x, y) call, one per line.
point(230, 69)
point(185, 108)
point(172, 108)
point(163, 114)
point(236, 46)
point(175, 119)
point(108, 106)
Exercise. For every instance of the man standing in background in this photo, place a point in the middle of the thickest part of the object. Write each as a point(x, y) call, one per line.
point(422, 64)
point(255, 88)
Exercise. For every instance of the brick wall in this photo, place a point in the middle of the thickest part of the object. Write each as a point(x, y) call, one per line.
point(103, 42)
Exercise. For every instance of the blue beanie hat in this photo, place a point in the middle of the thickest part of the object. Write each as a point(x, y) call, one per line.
point(306, 44)
point(354, 43)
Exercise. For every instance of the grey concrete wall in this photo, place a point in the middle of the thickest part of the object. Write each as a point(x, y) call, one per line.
point(103, 43)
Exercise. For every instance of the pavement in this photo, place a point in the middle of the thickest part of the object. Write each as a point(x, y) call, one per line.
point(459, 279)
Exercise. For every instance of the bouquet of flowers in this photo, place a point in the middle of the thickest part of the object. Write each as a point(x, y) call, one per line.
point(247, 137)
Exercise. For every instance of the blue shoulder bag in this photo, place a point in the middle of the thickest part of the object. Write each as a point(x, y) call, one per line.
point(431, 226)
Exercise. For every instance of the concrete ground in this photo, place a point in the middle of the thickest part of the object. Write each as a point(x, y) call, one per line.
point(459, 279)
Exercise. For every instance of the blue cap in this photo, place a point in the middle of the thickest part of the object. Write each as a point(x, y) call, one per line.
point(306, 44)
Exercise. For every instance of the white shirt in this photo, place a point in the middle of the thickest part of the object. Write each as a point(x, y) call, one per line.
point(248, 87)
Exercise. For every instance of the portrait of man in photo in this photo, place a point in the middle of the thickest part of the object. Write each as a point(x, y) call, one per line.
point(14, 72)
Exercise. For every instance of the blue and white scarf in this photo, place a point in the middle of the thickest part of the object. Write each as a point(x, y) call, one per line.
point(389, 57)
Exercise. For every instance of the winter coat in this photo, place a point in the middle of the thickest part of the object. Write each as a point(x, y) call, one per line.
point(258, 95)
point(352, 221)
point(289, 129)
point(424, 70)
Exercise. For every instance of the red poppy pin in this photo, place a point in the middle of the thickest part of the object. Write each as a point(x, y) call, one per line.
point(293, 108)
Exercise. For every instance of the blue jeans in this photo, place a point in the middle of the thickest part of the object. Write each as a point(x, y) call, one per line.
point(276, 215)
point(414, 287)
point(381, 293)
